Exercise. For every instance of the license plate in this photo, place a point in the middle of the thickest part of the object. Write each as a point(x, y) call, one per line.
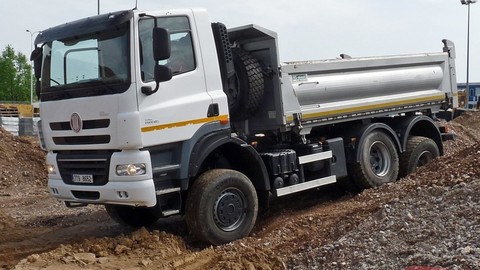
point(82, 178)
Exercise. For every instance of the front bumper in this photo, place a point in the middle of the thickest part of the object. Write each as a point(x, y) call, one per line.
point(112, 189)
point(134, 193)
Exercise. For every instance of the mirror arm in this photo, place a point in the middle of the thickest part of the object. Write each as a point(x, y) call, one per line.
point(147, 90)
point(150, 16)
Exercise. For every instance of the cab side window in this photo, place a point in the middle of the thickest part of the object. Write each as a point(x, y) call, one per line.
point(182, 57)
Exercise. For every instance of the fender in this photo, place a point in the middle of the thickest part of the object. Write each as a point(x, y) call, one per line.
point(418, 125)
point(204, 147)
point(369, 128)
point(244, 155)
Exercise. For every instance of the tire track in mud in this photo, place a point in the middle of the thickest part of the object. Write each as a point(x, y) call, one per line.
point(150, 248)
point(42, 234)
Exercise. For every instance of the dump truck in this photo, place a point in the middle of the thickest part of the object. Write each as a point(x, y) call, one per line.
point(161, 113)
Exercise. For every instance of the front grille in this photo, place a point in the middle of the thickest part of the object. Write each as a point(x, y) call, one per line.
point(86, 124)
point(80, 140)
point(95, 163)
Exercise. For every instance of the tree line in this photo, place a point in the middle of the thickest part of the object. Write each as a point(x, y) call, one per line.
point(15, 76)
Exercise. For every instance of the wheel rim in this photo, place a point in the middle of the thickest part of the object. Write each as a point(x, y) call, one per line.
point(230, 209)
point(424, 158)
point(380, 161)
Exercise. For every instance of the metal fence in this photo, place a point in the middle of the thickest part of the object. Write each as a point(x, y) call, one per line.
point(20, 126)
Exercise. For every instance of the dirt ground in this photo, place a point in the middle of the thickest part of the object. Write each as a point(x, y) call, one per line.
point(430, 218)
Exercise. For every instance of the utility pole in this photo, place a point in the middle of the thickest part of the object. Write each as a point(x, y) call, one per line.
point(467, 3)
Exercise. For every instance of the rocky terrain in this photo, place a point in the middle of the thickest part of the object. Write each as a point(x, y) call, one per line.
point(430, 219)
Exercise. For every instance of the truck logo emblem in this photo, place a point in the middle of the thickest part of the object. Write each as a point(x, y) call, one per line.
point(75, 122)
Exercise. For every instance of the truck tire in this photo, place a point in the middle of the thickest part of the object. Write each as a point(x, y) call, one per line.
point(221, 206)
point(378, 162)
point(419, 151)
point(132, 216)
point(246, 91)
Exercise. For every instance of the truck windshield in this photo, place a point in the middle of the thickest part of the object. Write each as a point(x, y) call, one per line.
point(89, 65)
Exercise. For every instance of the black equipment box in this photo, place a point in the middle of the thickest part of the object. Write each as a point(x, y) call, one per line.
point(280, 162)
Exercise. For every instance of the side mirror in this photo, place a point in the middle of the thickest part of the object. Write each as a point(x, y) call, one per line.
point(38, 88)
point(161, 51)
point(36, 57)
point(162, 73)
point(161, 44)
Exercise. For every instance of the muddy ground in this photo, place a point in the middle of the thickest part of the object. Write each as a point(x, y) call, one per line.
point(430, 218)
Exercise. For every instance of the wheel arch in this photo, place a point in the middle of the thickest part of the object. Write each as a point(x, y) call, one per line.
point(237, 155)
point(376, 126)
point(203, 148)
point(419, 125)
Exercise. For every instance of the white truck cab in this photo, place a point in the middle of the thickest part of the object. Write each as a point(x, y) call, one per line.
point(93, 101)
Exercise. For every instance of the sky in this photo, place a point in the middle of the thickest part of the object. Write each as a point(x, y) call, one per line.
point(307, 29)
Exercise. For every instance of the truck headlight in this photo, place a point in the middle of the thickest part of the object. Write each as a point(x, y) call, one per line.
point(131, 169)
point(51, 169)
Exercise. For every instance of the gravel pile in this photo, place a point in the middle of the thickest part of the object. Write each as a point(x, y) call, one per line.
point(431, 219)
point(423, 229)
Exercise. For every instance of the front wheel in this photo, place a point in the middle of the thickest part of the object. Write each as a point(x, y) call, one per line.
point(221, 206)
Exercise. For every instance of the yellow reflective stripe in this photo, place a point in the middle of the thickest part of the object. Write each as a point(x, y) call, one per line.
point(368, 107)
point(222, 118)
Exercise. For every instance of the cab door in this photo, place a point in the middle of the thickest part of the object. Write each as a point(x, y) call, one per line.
point(180, 106)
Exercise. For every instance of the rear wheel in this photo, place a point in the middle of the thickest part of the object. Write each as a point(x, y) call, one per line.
point(222, 206)
point(378, 162)
point(132, 216)
point(419, 151)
